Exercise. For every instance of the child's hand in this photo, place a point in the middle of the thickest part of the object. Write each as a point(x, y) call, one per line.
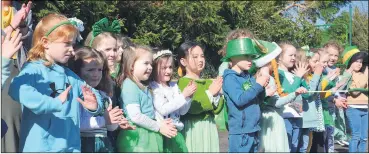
point(301, 69)
point(89, 101)
point(300, 90)
point(263, 80)
point(270, 91)
point(167, 128)
point(215, 87)
point(113, 115)
point(340, 102)
point(64, 95)
point(189, 90)
point(21, 15)
point(318, 69)
point(10, 45)
point(341, 83)
point(124, 124)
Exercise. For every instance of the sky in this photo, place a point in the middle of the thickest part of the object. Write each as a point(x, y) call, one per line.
point(363, 6)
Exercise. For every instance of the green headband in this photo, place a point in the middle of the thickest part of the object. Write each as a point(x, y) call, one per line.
point(308, 53)
point(103, 26)
point(60, 24)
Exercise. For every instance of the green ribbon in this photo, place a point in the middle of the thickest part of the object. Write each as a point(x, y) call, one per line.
point(308, 53)
point(60, 24)
point(103, 26)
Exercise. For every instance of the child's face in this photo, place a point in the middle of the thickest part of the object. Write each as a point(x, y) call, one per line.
point(356, 66)
point(142, 67)
point(91, 72)
point(324, 58)
point(242, 62)
point(165, 70)
point(195, 61)
point(333, 56)
point(59, 50)
point(288, 58)
point(314, 61)
point(120, 50)
point(108, 46)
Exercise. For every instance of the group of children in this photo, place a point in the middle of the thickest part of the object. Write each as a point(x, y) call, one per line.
point(112, 95)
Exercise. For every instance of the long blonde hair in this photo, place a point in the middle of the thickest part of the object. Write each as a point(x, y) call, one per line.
point(65, 32)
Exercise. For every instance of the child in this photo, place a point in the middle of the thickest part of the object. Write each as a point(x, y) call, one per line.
point(102, 38)
point(243, 94)
point(137, 103)
point(122, 44)
point(357, 111)
point(92, 67)
point(9, 46)
point(199, 130)
point(49, 92)
point(169, 102)
point(292, 112)
point(334, 50)
point(271, 122)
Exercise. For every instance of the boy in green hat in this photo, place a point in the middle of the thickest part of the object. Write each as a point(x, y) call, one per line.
point(243, 94)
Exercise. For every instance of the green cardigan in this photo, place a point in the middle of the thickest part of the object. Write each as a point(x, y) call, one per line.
point(201, 107)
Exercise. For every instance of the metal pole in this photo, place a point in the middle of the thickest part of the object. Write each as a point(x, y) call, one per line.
point(350, 24)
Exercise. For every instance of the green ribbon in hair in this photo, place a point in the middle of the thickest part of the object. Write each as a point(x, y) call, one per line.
point(308, 53)
point(103, 26)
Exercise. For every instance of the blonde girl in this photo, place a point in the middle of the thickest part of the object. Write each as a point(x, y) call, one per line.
point(49, 92)
point(136, 99)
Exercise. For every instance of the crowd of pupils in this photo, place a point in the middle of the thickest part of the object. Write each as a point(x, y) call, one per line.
point(111, 95)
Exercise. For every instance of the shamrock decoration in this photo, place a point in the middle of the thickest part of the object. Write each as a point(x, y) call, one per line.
point(246, 85)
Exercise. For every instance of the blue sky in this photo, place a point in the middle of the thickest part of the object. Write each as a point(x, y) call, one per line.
point(363, 6)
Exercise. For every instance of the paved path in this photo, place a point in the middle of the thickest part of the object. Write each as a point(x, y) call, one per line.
point(223, 143)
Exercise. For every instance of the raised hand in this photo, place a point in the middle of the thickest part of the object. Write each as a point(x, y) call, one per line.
point(167, 128)
point(113, 115)
point(64, 95)
point(318, 69)
point(270, 91)
point(301, 69)
point(10, 45)
point(89, 101)
point(215, 87)
point(263, 80)
point(190, 89)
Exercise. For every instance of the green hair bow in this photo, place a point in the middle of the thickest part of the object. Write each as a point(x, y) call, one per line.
point(103, 26)
point(308, 53)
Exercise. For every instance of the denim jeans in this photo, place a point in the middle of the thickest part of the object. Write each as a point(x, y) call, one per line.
point(293, 128)
point(248, 143)
point(329, 141)
point(358, 123)
point(304, 140)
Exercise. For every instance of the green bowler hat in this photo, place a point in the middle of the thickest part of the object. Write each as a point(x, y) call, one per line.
point(240, 47)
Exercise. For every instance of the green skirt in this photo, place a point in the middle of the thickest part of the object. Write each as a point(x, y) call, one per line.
point(201, 135)
point(176, 144)
point(96, 145)
point(139, 140)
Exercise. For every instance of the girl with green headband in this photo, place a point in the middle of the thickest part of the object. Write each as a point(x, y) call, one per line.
point(102, 38)
point(51, 94)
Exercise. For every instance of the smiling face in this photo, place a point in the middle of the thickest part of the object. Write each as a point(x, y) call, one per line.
point(108, 46)
point(165, 70)
point(324, 58)
point(91, 71)
point(195, 61)
point(59, 50)
point(288, 57)
point(333, 56)
point(314, 61)
point(142, 67)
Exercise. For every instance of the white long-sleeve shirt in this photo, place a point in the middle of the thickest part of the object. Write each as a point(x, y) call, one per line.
point(95, 126)
point(169, 102)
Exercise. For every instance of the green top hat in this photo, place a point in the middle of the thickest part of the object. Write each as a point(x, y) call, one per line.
point(348, 53)
point(241, 47)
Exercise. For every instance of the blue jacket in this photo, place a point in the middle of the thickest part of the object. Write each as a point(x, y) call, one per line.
point(48, 125)
point(243, 105)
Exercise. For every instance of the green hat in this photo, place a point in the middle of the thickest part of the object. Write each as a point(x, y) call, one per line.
point(268, 52)
point(348, 53)
point(240, 47)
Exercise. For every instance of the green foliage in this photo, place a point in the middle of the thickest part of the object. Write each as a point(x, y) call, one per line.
point(168, 23)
